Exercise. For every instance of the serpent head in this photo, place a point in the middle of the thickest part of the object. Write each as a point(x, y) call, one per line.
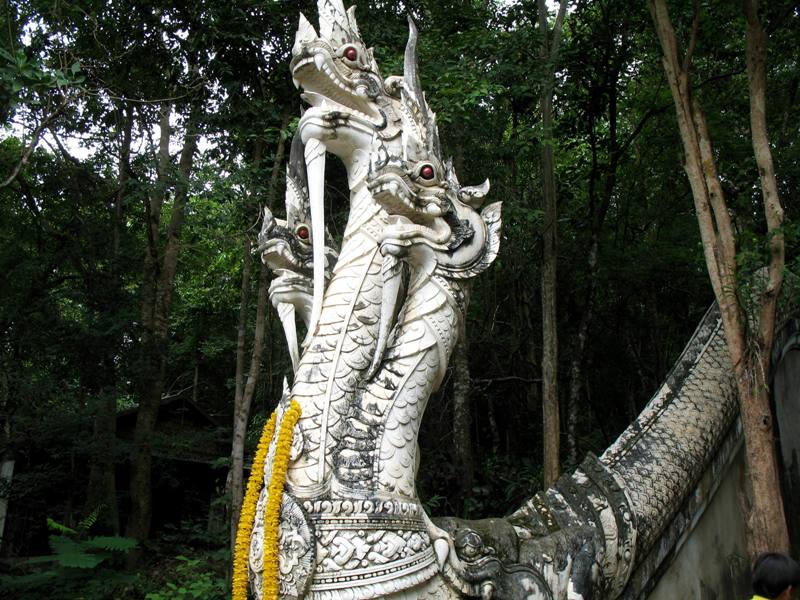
point(429, 208)
point(336, 70)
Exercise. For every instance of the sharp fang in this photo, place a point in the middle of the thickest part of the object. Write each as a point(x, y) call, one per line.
point(319, 61)
point(296, 83)
point(442, 549)
point(315, 167)
point(286, 314)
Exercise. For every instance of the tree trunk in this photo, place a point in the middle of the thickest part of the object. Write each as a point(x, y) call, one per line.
point(157, 289)
point(7, 457)
point(765, 516)
point(102, 488)
point(241, 330)
point(550, 410)
point(245, 389)
point(462, 414)
point(773, 211)
point(578, 357)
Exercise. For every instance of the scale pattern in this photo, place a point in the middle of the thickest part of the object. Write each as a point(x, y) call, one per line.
point(662, 455)
point(339, 352)
point(387, 326)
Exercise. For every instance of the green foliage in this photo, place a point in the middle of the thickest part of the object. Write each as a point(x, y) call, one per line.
point(502, 485)
point(77, 563)
point(74, 233)
point(74, 548)
point(193, 581)
point(26, 80)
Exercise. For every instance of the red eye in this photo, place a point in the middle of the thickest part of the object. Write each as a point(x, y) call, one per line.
point(302, 232)
point(426, 172)
point(351, 54)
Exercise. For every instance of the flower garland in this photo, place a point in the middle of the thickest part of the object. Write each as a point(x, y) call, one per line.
point(274, 493)
point(247, 517)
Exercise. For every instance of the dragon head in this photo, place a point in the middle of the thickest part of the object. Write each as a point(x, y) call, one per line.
point(433, 221)
point(349, 104)
point(410, 179)
point(286, 245)
point(421, 191)
point(336, 70)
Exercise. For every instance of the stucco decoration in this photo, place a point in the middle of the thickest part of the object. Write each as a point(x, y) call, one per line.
point(382, 320)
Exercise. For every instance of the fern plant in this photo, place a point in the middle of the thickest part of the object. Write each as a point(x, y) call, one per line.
point(76, 560)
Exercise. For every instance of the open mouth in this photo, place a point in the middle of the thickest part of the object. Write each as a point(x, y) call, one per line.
point(392, 191)
point(325, 87)
point(279, 254)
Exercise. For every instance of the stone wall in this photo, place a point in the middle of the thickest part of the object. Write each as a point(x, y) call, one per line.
point(702, 553)
point(709, 561)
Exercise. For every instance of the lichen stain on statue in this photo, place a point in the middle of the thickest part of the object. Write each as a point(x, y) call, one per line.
point(382, 319)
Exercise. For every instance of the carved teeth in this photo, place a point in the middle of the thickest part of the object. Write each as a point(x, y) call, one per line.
point(442, 549)
point(319, 61)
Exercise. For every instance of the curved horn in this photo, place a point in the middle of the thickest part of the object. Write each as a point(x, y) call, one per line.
point(297, 208)
point(410, 69)
point(413, 88)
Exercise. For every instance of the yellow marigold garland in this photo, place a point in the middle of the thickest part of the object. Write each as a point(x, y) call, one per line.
point(248, 514)
point(274, 493)
point(247, 517)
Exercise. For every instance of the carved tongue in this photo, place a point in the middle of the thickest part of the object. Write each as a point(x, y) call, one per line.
point(315, 167)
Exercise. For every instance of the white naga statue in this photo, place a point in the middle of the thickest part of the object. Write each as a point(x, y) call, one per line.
point(382, 316)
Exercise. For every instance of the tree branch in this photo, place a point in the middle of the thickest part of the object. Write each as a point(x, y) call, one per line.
point(687, 59)
point(37, 134)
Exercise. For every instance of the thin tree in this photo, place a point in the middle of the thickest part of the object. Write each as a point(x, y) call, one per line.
point(749, 335)
point(160, 266)
point(462, 413)
point(245, 386)
point(102, 487)
point(551, 41)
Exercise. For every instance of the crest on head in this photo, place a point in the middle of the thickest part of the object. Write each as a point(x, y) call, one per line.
point(420, 134)
point(338, 32)
point(336, 24)
point(297, 205)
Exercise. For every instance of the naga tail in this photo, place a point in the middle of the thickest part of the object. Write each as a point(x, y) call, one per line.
point(596, 526)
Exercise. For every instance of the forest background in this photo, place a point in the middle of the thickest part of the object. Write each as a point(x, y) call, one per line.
point(142, 140)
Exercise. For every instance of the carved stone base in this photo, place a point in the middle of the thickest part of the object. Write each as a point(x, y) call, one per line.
point(368, 549)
